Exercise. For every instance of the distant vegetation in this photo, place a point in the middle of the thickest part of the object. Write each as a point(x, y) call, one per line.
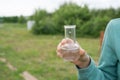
point(89, 22)
point(13, 19)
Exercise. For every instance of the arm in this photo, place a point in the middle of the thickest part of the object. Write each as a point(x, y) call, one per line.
point(107, 69)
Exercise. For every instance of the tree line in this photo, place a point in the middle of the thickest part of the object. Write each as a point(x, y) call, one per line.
point(13, 19)
point(89, 22)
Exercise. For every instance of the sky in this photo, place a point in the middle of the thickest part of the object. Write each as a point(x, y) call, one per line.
point(27, 7)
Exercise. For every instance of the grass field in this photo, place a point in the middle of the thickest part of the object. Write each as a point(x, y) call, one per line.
point(37, 54)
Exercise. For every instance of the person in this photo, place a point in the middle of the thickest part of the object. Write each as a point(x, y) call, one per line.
point(109, 63)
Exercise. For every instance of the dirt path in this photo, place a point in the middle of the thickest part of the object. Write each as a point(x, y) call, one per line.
point(26, 75)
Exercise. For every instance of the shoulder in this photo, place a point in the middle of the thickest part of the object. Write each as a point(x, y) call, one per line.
point(113, 26)
point(115, 21)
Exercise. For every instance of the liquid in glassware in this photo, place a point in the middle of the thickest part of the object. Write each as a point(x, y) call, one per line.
point(70, 49)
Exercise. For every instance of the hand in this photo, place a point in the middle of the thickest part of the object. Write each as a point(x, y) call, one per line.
point(79, 58)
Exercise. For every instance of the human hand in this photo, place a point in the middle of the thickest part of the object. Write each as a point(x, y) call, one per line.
point(72, 52)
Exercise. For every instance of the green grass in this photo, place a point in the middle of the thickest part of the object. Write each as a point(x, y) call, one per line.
point(6, 74)
point(37, 54)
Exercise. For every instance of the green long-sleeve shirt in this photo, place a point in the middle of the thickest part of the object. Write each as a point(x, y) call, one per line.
point(109, 64)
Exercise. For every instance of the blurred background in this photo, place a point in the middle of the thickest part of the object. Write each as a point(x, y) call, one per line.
point(30, 31)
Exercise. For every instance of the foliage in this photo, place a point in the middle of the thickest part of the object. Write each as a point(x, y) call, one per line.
point(22, 19)
point(70, 14)
point(45, 26)
point(43, 23)
point(89, 22)
point(13, 19)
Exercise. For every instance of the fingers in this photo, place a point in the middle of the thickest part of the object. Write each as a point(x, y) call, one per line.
point(69, 41)
point(61, 43)
point(79, 57)
point(59, 54)
point(59, 48)
point(82, 52)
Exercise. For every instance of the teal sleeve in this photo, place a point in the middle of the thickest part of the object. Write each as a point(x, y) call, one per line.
point(107, 68)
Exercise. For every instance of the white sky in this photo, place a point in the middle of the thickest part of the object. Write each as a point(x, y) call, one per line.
point(27, 7)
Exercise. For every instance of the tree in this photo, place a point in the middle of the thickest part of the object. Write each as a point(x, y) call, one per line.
point(70, 14)
point(89, 22)
point(22, 19)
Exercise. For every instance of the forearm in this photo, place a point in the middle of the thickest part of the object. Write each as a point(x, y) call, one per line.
point(91, 72)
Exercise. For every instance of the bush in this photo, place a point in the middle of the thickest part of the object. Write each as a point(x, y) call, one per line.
point(44, 27)
point(89, 22)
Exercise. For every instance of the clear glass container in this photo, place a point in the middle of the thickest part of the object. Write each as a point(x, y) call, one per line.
point(71, 48)
point(70, 32)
